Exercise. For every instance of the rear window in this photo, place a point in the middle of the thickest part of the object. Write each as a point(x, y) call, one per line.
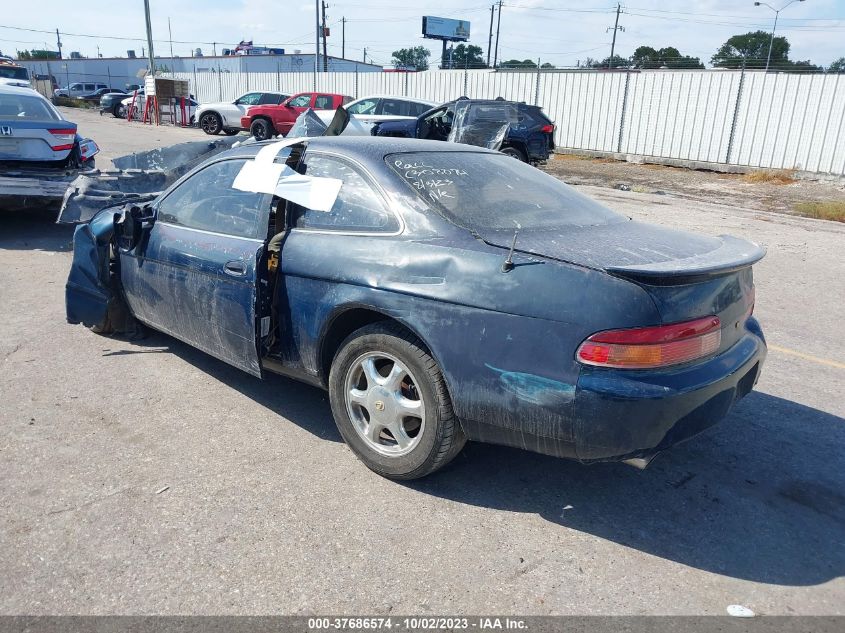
point(11, 72)
point(483, 192)
point(25, 108)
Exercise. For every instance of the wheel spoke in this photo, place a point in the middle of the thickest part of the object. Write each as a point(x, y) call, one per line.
point(410, 408)
point(394, 379)
point(370, 371)
point(358, 396)
point(403, 440)
point(373, 431)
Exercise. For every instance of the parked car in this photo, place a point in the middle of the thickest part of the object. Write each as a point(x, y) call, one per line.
point(139, 100)
point(264, 121)
point(12, 74)
point(79, 90)
point(529, 138)
point(40, 151)
point(111, 102)
point(99, 94)
point(225, 116)
point(366, 112)
point(434, 302)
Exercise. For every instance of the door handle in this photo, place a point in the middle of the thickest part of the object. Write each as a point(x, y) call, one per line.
point(235, 268)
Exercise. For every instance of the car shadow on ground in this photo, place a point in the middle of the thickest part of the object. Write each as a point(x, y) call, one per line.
point(34, 230)
point(306, 406)
point(759, 497)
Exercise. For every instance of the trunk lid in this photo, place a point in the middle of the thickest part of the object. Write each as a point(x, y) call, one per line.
point(687, 275)
point(34, 141)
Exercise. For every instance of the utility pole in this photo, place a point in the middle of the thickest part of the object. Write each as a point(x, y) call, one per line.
point(615, 28)
point(214, 49)
point(365, 54)
point(775, 26)
point(498, 25)
point(317, 42)
point(59, 43)
point(150, 53)
point(170, 34)
point(490, 37)
point(325, 55)
point(343, 37)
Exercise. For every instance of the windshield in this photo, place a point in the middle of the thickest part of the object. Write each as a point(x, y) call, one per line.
point(11, 72)
point(26, 108)
point(484, 192)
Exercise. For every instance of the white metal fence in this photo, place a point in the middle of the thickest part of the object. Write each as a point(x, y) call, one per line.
point(748, 118)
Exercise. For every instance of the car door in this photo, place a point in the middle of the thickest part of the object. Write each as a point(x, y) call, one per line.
point(323, 102)
point(194, 275)
point(233, 112)
point(363, 114)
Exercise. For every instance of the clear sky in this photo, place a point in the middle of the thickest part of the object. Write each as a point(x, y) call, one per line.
point(558, 31)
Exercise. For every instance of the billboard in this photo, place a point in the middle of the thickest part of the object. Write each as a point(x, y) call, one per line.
point(445, 28)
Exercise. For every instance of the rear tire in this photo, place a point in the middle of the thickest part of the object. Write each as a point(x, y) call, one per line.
point(391, 405)
point(513, 152)
point(211, 123)
point(261, 129)
point(116, 111)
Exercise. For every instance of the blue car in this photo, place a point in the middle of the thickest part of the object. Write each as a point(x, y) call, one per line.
point(528, 134)
point(440, 293)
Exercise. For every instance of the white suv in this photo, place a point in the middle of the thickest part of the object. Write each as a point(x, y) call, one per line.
point(366, 112)
point(79, 90)
point(225, 116)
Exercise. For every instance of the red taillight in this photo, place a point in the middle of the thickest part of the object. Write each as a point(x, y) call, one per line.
point(651, 347)
point(64, 138)
point(548, 129)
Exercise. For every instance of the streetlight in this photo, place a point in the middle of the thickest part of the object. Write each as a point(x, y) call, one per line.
point(777, 12)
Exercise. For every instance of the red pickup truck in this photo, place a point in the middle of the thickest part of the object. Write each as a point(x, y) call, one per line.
point(264, 121)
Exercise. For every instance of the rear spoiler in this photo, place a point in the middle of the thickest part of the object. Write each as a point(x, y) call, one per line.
point(734, 254)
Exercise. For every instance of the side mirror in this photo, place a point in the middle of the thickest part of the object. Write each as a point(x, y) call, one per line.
point(132, 225)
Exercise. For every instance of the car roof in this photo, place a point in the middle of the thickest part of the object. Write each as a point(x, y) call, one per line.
point(369, 150)
point(19, 90)
point(399, 97)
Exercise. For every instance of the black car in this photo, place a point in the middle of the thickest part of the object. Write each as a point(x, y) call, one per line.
point(528, 134)
point(110, 101)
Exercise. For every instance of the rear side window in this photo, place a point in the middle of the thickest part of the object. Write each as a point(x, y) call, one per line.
point(395, 107)
point(89, 87)
point(207, 201)
point(358, 208)
point(25, 108)
point(324, 102)
point(416, 109)
point(269, 98)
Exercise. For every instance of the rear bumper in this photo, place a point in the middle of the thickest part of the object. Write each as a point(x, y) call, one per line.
point(624, 414)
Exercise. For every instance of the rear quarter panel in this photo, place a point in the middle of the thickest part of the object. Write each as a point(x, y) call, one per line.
point(504, 341)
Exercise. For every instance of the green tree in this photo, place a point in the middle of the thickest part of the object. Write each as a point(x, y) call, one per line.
point(416, 57)
point(468, 56)
point(34, 54)
point(613, 62)
point(515, 63)
point(803, 66)
point(547, 65)
point(669, 57)
point(837, 66)
point(752, 47)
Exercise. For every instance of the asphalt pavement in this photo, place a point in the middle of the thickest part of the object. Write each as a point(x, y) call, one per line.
point(145, 477)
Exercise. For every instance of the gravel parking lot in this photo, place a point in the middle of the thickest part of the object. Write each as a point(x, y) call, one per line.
point(146, 477)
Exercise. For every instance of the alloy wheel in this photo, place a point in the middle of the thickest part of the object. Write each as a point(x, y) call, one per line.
point(384, 404)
